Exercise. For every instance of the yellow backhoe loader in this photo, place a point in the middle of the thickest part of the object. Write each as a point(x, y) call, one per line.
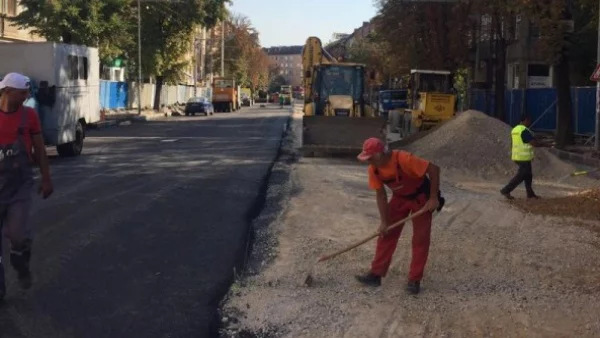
point(338, 115)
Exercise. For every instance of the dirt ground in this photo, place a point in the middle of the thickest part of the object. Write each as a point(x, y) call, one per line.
point(493, 270)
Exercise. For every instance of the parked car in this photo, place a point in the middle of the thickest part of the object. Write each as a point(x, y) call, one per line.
point(199, 105)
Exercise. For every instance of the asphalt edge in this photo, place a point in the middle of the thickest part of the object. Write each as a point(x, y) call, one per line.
point(258, 242)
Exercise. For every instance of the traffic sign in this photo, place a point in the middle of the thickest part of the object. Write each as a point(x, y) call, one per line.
point(596, 76)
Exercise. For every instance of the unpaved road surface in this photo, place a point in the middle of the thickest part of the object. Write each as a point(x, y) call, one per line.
point(493, 271)
point(143, 232)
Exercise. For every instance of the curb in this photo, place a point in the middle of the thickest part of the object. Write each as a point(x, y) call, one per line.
point(576, 158)
point(103, 124)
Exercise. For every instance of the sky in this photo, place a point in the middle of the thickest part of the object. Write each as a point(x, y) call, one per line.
point(291, 22)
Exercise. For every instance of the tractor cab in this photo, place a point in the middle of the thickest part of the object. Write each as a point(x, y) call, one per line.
point(432, 100)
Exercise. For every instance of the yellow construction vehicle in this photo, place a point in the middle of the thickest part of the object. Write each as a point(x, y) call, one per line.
point(338, 115)
point(431, 101)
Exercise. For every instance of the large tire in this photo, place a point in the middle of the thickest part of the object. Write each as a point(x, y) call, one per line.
point(74, 148)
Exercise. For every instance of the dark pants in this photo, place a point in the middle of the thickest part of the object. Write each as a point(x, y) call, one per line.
point(525, 174)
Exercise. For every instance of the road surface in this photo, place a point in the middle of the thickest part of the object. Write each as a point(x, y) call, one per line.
point(142, 234)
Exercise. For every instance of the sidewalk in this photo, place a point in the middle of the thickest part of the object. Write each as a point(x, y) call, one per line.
point(116, 117)
point(493, 271)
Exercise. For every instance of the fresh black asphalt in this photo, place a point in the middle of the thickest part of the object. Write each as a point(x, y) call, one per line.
point(145, 229)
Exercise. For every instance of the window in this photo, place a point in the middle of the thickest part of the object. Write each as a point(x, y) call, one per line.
point(83, 68)
point(77, 67)
point(538, 70)
point(9, 7)
point(73, 67)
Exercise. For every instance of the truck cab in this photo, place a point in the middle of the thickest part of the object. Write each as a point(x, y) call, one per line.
point(338, 90)
point(392, 100)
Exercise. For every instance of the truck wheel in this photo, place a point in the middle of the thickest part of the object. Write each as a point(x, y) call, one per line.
point(74, 148)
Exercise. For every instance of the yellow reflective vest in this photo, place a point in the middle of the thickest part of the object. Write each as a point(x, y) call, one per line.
point(521, 151)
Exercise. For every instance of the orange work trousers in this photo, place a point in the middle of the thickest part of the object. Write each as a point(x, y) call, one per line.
point(399, 208)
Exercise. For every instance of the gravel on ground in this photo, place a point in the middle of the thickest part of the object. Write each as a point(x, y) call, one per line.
point(493, 270)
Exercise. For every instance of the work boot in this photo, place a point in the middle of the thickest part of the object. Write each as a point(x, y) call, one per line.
point(533, 197)
point(20, 262)
point(507, 195)
point(413, 287)
point(369, 279)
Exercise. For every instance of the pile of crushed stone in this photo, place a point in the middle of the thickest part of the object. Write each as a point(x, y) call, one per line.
point(582, 205)
point(480, 145)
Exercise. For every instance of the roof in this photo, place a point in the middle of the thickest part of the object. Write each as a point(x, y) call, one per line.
point(284, 50)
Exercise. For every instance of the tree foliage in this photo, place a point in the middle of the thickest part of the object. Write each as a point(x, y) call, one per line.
point(245, 60)
point(99, 23)
point(168, 35)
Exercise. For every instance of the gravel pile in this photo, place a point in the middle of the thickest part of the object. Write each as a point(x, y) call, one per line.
point(480, 145)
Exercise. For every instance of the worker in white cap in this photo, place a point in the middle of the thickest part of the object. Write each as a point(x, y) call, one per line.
point(21, 144)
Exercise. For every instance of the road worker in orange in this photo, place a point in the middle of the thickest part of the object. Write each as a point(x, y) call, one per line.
point(415, 184)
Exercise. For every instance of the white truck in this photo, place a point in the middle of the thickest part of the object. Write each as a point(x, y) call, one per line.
point(65, 88)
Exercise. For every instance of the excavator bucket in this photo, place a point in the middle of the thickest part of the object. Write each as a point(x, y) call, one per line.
point(326, 136)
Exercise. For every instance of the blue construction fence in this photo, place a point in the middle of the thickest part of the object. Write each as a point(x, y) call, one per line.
point(540, 104)
point(123, 95)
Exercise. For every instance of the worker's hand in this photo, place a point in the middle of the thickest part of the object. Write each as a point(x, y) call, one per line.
point(46, 189)
point(432, 204)
point(383, 228)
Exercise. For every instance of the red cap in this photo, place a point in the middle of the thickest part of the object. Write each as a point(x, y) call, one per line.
point(371, 147)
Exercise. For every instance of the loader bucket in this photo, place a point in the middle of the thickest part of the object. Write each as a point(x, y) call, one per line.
point(338, 135)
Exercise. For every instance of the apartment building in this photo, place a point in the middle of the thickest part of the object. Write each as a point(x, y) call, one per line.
point(288, 59)
point(8, 32)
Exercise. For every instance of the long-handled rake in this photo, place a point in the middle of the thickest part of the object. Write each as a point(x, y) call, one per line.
point(309, 279)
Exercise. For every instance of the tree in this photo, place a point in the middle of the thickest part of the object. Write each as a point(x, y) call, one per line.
point(555, 41)
point(424, 35)
point(244, 58)
point(276, 83)
point(105, 24)
point(167, 36)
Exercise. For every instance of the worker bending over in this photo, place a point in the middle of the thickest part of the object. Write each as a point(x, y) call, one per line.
point(415, 185)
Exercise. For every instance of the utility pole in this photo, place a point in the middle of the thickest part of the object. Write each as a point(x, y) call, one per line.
point(597, 143)
point(223, 48)
point(195, 63)
point(139, 84)
point(203, 55)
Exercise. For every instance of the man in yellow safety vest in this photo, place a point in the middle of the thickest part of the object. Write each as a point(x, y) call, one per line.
point(523, 142)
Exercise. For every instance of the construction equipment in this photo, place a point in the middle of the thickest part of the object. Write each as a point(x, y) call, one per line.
point(286, 93)
point(431, 101)
point(338, 115)
point(225, 95)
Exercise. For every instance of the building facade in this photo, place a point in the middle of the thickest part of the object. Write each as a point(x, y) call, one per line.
point(9, 32)
point(288, 60)
point(526, 66)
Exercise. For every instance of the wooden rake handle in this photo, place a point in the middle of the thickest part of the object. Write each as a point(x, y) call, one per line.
point(357, 244)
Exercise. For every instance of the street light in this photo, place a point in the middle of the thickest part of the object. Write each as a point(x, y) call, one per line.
point(139, 84)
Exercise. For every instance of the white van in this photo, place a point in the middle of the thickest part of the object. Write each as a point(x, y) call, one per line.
point(65, 88)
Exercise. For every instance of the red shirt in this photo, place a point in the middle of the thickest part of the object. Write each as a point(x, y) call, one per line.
point(9, 127)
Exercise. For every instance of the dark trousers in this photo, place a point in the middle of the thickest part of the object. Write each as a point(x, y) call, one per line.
point(524, 174)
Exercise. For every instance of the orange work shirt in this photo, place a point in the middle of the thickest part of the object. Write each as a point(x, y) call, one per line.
point(411, 166)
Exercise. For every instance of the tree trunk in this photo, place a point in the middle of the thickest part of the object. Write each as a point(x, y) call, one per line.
point(564, 128)
point(500, 74)
point(158, 90)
